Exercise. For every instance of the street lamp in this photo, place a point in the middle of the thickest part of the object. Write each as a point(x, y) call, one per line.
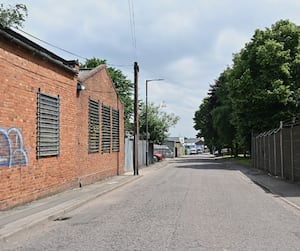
point(147, 144)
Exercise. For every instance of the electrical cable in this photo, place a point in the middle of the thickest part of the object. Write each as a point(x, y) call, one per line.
point(132, 27)
point(66, 51)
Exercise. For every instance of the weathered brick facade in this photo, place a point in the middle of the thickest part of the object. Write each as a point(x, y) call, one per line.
point(26, 69)
point(98, 87)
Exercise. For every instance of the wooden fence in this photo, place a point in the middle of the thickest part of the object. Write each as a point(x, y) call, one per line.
point(278, 151)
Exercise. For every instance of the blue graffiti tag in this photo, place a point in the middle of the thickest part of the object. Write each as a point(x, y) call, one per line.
point(12, 151)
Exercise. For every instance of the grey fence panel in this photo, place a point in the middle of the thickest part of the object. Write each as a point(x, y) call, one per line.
point(128, 152)
point(277, 157)
point(271, 153)
point(266, 150)
point(262, 153)
point(128, 164)
point(142, 152)
point(296, 137)
point(286, 153)
point(268, 153)
point(278, 151)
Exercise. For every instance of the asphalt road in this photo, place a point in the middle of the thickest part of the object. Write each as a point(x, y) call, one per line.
point(194, 203)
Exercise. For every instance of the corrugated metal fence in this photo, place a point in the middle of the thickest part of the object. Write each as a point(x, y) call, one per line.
point(278, 151)
point(128, 164)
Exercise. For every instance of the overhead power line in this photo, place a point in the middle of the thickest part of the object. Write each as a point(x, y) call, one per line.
point(66, 51)
point(132, 26)
point(52, 45)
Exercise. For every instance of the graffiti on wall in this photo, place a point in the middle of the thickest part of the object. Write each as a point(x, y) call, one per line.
point(12, 151)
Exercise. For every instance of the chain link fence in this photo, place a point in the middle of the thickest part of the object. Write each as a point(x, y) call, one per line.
point(278, 151)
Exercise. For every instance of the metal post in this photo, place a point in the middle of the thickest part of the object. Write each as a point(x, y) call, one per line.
point(147, 144)
point(281, 148)
point(136, 122)
point(269, 143)
point(147, 122)
point(264, 152)
point(275, 154)
point(292, 148)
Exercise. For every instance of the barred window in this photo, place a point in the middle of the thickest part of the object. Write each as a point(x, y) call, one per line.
point(93, 125)
point(106, 129)
point(48, 125)
point(115, 131)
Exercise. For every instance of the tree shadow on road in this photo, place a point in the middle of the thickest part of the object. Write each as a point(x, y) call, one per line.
point(198, 162)
point(270, 184)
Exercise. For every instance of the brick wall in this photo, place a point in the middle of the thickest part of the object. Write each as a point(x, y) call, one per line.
point(22, 74)
point(94, 166)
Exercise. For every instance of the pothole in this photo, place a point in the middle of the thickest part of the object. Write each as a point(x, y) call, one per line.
point(62, 218)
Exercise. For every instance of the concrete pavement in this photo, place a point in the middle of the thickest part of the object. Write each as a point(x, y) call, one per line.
point(30, 214)
point(49, 208)
point(287, 191)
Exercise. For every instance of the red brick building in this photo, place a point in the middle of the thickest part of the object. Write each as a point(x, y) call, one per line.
point(99, 144)
point(52, 136)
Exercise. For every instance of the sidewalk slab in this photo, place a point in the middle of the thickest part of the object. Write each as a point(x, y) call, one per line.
point(52, 207)
point(27, 215)
point(287, 190)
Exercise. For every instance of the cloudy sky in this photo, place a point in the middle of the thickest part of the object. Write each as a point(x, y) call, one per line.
point(187, 43)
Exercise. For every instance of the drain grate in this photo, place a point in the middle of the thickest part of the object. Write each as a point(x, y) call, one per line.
point(62, 218)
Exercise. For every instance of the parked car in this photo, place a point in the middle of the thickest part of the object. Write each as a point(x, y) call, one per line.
point(193, 150)
point(158, 156)
point(199, 150)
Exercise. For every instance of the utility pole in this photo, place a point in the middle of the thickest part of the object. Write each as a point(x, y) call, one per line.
point(136, 122)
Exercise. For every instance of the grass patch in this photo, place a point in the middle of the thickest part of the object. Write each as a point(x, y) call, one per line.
point(240, 159)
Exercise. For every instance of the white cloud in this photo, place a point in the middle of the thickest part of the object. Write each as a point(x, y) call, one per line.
point(229, 41)
point(172, 24)
point(189, 67)
point(188, 43)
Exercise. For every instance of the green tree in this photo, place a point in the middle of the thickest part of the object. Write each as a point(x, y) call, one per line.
point(159, 123)
point(124, 88)
point(222, 114)
point(265, 80)
point(260, 89)
point(13, 16)
point(212, 119)
point(204, 124)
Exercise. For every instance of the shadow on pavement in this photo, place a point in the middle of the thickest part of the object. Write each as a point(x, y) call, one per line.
point(201, 162)
point(270, 184)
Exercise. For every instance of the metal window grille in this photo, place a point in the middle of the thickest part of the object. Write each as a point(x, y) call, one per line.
point(93, 125)
point(115, 131)
point(106, 129)
point(48, 125)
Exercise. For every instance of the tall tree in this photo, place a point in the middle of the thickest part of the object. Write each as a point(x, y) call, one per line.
point(13, 16)
point(159, 123)
point(265, 80)
point(222, 114)
point(214, 117)
point(124, 88)
point(203, 122)
point(258, 91)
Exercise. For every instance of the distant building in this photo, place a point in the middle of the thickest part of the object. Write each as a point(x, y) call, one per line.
point(165, 150)
point(176, 145)
point(193, 145)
